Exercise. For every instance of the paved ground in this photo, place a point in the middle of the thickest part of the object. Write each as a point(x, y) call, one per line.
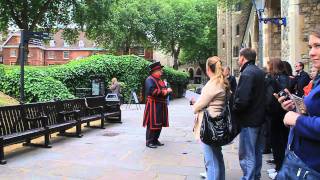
point(119, 152)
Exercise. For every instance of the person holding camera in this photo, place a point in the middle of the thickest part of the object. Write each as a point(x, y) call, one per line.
point(302, 159)
point(279, 134)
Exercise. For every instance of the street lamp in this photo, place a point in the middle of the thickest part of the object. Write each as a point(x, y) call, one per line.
point(260, 6)
point(25, 37)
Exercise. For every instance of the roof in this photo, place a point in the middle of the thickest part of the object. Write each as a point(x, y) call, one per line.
point(59, 43)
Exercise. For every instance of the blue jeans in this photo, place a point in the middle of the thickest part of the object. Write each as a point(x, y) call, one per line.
point(294, 169)
point(251, 147)
point(214, 162)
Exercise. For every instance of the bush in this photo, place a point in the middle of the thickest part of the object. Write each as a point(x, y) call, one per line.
point(38, 86)
point(47, 83)
point(130, 70)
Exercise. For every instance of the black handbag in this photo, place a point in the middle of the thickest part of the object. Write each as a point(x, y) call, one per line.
point(219, 130)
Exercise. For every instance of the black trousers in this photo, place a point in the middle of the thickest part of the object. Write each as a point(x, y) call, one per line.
point(152, 136)
point(279, 140)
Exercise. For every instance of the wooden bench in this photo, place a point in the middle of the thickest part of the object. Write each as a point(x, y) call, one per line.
point(111, 110)
point(56, 119)
point(16, 128)
point(86, 114)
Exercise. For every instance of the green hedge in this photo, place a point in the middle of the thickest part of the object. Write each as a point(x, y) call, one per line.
point(38, 86)
point(59, 82)
point(131, 70)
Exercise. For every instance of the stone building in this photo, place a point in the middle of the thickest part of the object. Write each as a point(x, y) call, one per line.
point(232, 23)
point(287, 41)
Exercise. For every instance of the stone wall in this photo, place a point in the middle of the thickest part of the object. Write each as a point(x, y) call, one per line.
point(310, 10)
point(227, 22)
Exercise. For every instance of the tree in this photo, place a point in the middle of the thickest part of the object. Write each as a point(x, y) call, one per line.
point(205, 44)
point(177, 26)
point(36, 15)
point(128, 25)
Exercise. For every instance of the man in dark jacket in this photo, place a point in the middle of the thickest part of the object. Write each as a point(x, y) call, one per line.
point(249, 109)
point(301, 80)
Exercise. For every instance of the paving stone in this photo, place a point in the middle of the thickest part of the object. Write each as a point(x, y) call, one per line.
point(119, 152)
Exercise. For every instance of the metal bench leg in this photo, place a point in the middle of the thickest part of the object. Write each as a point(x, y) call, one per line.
point(78, 130)
point(102, 121)
point(2, 161)
point(47, 140)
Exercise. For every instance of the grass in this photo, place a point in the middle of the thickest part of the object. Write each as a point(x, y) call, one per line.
point(7, 100)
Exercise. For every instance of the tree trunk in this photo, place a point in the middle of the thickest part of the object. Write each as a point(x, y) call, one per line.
point(26, 52)
point(176, 53)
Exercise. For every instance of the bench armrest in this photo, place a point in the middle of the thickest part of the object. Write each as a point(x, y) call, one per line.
point(43, 120)
point(95, 108)
point(76, 114)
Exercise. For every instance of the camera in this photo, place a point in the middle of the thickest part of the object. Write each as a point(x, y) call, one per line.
point(285, 94)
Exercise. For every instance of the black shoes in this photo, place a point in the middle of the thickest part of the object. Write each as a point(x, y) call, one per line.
point(154, 145)
point(151, 145)
point(158, 143)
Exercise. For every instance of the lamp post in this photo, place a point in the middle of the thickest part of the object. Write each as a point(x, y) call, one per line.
point(24, 39)
point(22, 60)
point(260, 6)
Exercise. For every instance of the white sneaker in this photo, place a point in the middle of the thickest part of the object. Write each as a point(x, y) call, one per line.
point(203, 175)
point(273, 175)
point(270, 171)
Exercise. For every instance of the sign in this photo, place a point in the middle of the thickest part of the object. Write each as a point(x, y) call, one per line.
point(133, 100)
point(38, 35)
point(95, 88)
point(135, 97)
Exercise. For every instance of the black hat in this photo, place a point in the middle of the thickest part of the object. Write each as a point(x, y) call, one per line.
point(155, 66)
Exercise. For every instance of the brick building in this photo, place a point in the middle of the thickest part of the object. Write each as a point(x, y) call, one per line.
point(58, 51)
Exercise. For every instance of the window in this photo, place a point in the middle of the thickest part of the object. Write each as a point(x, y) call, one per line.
point(50, 54)
point(65, 54)
point(237, 7)
point(235, 51)
point(81, 44)
point(52, 43)
point(223, 45)
point(222, 31)
point(1, 60)
point(140, 51)
point(65, 43)
point(13, 53)
point(238, 30)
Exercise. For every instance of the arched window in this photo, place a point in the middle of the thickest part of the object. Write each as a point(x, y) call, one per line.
point(235, 51)
point(197, 77)
point(191, 74)
point(238, 30)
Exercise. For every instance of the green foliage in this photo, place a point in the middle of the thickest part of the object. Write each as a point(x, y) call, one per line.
point(32, 14)
point(38, 86)
point(126, 27)
point(130, 70)
point(58, 82)
point(205, 45)
point(2, 73)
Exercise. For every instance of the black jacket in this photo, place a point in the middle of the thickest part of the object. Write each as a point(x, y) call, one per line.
point(233, 83)
point(249, 107)
point(299, 82)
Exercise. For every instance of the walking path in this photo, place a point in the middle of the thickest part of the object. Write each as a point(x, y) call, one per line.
point(119, 152)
